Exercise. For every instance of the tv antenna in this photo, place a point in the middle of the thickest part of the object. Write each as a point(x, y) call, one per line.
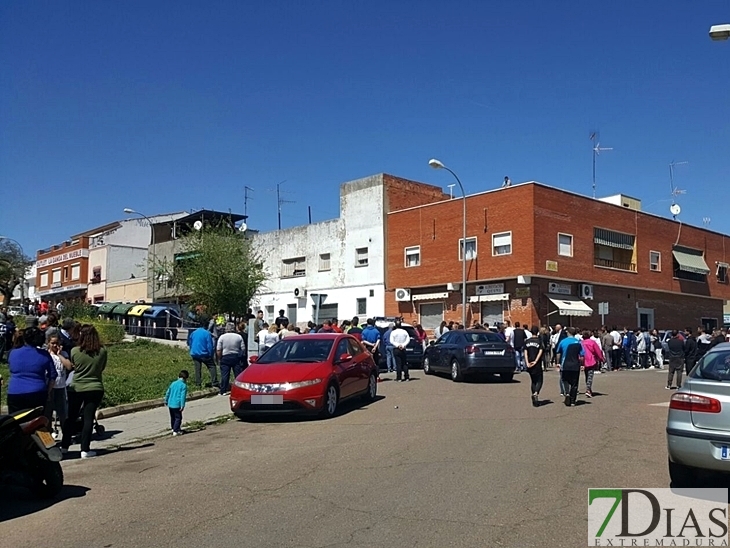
point(451, 190)
point(597, 149)
point(280, 201)
point(706, 221)
point(674, 208)
point(246, 198)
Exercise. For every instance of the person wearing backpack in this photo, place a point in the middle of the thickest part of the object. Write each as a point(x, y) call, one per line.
point(643, 345)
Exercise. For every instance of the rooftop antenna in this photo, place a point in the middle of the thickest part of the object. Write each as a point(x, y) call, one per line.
point(280, 201)
point(597, 149)
point(706, 221)
point(246, 198)
point(451, 190)
point(674, 191)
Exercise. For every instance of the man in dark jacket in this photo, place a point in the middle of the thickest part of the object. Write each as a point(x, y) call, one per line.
point(676, 356)
point(571, 355)
point(690, 351)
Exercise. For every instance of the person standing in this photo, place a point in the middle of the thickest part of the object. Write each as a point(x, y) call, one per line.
point(533, 353)
point(389, 356)
point(571, 355)
point(288, 331)
point(32, 373)
point(643, 346)
point(607, 347)
point(355, 329)
point(175, 398)
point(231, 350)
point(57, 398)
point(200, 343)
point(509, 332)
point(371, 339)
point(281, 321)
point(656, 348)
point(690, 351)
point(628, 344)
point(676, 356)
point(545, 340)
point(399, 339)
point(518, 343)
point(86, 390)
point(440, 330)
point(592, 358)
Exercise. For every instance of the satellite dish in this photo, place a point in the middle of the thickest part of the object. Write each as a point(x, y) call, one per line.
point(675, 209)
point(243, 227)
point(197, 225)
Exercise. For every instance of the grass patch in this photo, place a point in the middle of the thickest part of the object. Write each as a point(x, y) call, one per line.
point(136, 371)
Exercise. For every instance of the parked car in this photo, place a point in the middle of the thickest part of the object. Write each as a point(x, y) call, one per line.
point(698, 423)
point(414, 350)
point(16, 311)
point(470, 351)
point(309, 374)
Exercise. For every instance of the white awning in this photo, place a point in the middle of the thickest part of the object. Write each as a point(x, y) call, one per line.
point(430, 296)
point(571, 306)
point(488, 298)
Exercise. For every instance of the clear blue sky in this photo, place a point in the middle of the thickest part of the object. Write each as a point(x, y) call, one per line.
point(164, 106)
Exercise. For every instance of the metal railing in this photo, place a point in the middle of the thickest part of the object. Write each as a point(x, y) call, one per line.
point(606, 263)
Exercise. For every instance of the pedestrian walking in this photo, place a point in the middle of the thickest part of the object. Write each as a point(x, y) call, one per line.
point(592, 359)
point(518, 343)
point(571, 355)
point(175, 398)
point(200, 343)
point(399, 339)
point(690, 350)
point(676, 356)
point(656, 345)
point(534, 350)
point(86, 390)
point(230, 350)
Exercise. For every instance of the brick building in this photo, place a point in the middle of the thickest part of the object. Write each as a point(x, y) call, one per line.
point(62, 270)
point(537, 254)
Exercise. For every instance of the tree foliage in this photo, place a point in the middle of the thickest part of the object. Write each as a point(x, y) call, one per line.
point(220, 271)
point(13, 265)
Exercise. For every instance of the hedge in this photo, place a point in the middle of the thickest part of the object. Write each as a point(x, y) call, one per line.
point(110, 332)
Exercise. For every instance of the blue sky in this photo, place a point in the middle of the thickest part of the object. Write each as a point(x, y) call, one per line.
point(166, 106)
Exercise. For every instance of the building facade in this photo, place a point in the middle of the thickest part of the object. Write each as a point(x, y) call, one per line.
point(540, 255)
point(62, 270)
point(342, 258)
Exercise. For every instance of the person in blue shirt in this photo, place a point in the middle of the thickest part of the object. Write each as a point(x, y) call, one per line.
point(175, 397)
point(32, 373)
point(371, 339)
point(389, 355)
point(629, 347)
point(570, 350)
point(200, 342)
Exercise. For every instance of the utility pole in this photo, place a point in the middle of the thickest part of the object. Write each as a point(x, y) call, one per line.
point(597, 149)
point(280, 201)
point(246, 198)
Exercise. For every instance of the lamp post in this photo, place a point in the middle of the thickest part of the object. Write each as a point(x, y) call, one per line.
point(22, 283)
point(129, 211)
point(720, 32)
point(436, 164)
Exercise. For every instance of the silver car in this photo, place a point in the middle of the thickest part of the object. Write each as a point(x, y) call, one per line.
point(698, 424)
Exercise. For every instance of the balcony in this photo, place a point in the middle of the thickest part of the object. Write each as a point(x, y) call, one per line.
point(618, 265)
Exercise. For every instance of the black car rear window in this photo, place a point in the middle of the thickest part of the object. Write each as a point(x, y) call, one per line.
point(482, 337)
point(713, 366)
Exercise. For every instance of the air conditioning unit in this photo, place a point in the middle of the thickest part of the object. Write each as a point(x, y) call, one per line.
point(402, 294)
point(552, 287)
point(300, 292)
point(586, 291)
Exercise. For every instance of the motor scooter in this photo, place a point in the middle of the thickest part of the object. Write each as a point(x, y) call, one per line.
point(29, 456)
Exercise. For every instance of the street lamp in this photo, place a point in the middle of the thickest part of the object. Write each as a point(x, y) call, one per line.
point(22, 252)
point(130, 211)
point(720, 32)
point(436, 164)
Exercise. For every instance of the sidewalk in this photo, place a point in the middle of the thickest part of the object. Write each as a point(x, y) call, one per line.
point(133, 427)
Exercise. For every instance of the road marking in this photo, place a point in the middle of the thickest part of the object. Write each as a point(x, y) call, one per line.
point(662, 404)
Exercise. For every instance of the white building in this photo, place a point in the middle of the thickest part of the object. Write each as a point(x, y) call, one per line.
point(118, 259)
point(343, 258)
point(26, 290)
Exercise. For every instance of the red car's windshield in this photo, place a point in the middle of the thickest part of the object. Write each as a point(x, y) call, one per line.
point(293, 350)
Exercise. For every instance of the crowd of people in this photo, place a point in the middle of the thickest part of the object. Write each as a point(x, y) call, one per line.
point(58, 366)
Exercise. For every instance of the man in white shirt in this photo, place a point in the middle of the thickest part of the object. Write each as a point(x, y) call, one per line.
point(509, 333)
point(400, 338)
point(230, 349)
point(616, 349)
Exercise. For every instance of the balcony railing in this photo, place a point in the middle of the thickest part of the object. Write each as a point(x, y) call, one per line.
point(630, 267)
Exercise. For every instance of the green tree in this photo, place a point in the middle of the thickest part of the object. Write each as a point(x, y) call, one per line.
point(13, 265)
point(220, 270)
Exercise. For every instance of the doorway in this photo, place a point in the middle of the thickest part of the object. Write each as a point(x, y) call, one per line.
point(646, 318)
point(291, 313)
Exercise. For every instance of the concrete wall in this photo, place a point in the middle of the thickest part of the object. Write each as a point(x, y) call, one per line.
point(127, 291)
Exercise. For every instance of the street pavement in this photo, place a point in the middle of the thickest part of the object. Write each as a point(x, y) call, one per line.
point(430, 464)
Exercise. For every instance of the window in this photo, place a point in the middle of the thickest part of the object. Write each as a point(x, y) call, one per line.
point(44, 279)
point(413, 256)
point(56, 276)
point(613, 249)
point(565, 245)
point(655, 261)
point(372, 293)
point(722, 272)
point(65, 273)
point(689, 264)
point(362, 307)
point(324, 262)
point(361, 256)
point(270, 314)
point(291, 268)
point(471, 249)
point(75, 271)
point(502, 244)
point(96, 275)
point(355, 348)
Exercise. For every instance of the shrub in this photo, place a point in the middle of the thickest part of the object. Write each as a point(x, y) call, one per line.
point(110, 332)
point(78, 310)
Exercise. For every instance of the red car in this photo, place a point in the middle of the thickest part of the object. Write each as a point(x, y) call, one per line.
point(306, 374)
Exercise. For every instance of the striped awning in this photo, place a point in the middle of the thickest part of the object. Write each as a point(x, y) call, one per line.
point(489, 298)
point(609, 238)
point(690, 260)
point(430, 296)
point(571, 306)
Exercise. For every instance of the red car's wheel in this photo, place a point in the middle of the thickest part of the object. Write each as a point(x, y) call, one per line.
point(331, 399)
point(372, 391)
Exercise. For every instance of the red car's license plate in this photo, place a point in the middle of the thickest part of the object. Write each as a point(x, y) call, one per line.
point(267, 399)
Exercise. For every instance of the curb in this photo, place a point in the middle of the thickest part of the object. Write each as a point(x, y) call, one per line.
point(127, 408)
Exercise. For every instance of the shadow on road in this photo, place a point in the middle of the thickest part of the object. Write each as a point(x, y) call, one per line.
point(544, 402)
point(18, 502)
point(345, 408)
point(76, 455)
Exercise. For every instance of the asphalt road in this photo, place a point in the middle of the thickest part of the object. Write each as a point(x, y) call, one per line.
point(431, 463)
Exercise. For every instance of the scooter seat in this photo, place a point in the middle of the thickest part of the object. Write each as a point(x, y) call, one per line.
point(21, 416)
